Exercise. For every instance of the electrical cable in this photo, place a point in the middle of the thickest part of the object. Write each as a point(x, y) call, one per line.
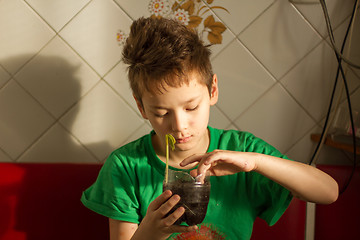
point(327, 123)
point(331, 36)
point(322, 136)
point(327, 127)
point(346, 88)
point(340, 69)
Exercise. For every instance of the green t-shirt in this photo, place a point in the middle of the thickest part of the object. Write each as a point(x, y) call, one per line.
point(132, 178)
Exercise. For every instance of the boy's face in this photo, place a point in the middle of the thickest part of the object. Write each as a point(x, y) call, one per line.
point(181, 111)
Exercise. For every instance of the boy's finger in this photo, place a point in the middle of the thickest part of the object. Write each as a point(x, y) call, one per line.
point(165, 208)
point(179, 229)
point(194, 173)
point(191, 159)
point(160, 200)
point(173, 217)
point(202, 169)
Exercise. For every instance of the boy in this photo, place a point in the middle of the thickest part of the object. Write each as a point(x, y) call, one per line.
point(173, 85)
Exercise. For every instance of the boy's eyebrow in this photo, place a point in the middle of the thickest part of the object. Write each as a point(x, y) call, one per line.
point(185, 102)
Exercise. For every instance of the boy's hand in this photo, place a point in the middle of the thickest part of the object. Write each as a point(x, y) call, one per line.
point(221, 162)
point(156, 225)
point(303, 181)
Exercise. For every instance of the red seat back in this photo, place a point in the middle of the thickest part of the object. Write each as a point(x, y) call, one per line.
point(42, 201)
point(340, 220)
point(291, 225)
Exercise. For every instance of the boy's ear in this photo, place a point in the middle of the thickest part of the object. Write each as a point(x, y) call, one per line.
point(140, 107)
point(214, 94)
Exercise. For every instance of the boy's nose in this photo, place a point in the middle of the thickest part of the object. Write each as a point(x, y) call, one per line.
point(178, 122)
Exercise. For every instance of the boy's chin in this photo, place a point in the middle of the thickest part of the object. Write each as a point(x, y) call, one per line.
point(185, 146)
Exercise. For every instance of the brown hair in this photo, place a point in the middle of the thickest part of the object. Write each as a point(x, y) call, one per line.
point(162, 52)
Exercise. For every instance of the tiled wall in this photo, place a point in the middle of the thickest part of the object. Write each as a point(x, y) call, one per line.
point(64, 95)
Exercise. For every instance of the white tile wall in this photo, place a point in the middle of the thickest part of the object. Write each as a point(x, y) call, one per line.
point(311, 80)
point(281, 122)
point(117, 79)
point(57, 77)
point(101, 120)
point(275, 38)
point(22, 119)
point(23, 32)
point(241, 79)
point(64, 95)
point(57, 13)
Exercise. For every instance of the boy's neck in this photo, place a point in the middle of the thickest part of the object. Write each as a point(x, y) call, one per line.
point(176, 158)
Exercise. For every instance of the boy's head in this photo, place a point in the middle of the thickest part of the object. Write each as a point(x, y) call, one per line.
point(163, 52)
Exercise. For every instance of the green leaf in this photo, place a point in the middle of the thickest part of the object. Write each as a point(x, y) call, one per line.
point(171, 141)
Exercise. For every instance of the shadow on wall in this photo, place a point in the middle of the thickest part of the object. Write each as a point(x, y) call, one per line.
point(53, 82)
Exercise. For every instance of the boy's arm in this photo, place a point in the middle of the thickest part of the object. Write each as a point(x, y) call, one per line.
point(304, 181)
point(120, 230)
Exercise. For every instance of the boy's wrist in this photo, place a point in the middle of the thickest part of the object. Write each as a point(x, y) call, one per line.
point(149, 233)
point(140, 235)
point(257, 159)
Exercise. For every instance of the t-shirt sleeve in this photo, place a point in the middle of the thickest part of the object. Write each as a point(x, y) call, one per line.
point(113, 194)
point(270, 199)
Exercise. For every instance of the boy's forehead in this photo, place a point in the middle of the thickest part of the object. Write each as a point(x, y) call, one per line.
point(191, 80)
point(186, 92)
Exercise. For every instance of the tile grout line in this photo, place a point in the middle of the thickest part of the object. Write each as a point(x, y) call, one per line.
point(122, 98)
point(38, 15)
point(78, 140)
point(123, 10)
point(6, 154)
point(73, 17)
point(253, 103)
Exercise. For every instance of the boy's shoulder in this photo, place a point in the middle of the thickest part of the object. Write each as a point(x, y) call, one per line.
point(230, 134)
point(237, 140)
point(134, 147)
point(131, 154)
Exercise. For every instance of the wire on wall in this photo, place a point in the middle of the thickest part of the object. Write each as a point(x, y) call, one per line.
point(331, 35)
point(340, 58)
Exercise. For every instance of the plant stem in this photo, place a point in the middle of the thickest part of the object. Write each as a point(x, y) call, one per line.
point(167, 161)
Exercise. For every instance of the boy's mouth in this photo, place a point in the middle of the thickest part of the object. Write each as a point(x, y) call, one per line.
point(183, 140)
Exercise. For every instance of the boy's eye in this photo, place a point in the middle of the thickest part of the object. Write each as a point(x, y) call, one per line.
point(192, 108)
point(160, 115)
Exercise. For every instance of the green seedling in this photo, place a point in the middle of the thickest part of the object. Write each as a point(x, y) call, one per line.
point(170, 143)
